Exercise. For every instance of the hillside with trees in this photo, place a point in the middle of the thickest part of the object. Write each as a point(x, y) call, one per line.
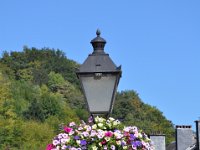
point(40, 91)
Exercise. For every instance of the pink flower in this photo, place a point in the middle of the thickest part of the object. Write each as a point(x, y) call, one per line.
point(67, 129)
point(49, 147)
point(108, 134)
point(126, 134)
point(103, 142)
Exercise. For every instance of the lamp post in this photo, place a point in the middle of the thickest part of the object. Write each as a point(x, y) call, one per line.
point(99, 79)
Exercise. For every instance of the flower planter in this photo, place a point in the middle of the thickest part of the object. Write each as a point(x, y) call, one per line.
point(103, 134)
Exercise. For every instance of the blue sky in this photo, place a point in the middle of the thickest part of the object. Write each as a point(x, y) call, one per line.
point(157, 43)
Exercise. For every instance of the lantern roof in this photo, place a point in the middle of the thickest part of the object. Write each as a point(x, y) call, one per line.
point(98, 61)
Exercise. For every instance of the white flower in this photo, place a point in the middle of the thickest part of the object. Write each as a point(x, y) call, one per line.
point(93, 133)
point(94, 148)
point(118, 142)
point(65, 135)
point(134, 129)
point(78, 142)
point(100, 134)
point(118, 134)
point(136, 134)
point(71, 132)
point(109, 125)
point(88, 128)
point(139, 135)
point(100, 125)
point(116, 122)
point(125, 147)
point(68, 139)
point(72, 124)
point(63, 141)
point(73, 148)
point(112, 147)
point(98, 119)
point(111, 119)
point(60, 136)
point(107, 139)
point(63, 147)
point(126, 129)
point(101, 119)
point(105, 147)
point(55, 142)
point(85, 134)
point(94, 126)
point(80, 128)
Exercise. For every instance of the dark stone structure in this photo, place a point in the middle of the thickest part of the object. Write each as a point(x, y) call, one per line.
point(184, 137)
point(158, 141)
point(197, 134)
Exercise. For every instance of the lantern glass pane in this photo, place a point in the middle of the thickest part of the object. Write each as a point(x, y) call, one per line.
point(98, 92)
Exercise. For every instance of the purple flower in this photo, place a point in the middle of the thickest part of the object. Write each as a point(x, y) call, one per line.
point(84, 147)
point(68, 147)
point(132, 137)
point(83, 142)
point(90, 119)
point(136, 144)
point(123, 143)
point(76, 137)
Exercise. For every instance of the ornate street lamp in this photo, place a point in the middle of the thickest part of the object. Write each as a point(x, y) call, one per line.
point(99, 79)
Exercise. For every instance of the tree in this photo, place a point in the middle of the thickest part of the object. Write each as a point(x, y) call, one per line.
point(55, 81)
point(132, 111)
point(35, 111)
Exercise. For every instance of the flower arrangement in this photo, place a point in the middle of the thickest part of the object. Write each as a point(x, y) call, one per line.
point(103, 134)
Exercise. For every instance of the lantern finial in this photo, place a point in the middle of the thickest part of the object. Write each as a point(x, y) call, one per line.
point(98, 43)
point(98, 32)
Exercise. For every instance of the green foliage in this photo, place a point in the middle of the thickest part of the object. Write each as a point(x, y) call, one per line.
point(36, 135)
point(23, 94)
point(6, 101)
point(10, 134)
point(39, 63)
point(4, 88)
point(132, 110)
point(35, 111)
point(39, 91)
point(50, 102)
point(55, 81)
point(24, 135)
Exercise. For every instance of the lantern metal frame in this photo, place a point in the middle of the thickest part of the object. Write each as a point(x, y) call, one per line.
point(98, 65)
